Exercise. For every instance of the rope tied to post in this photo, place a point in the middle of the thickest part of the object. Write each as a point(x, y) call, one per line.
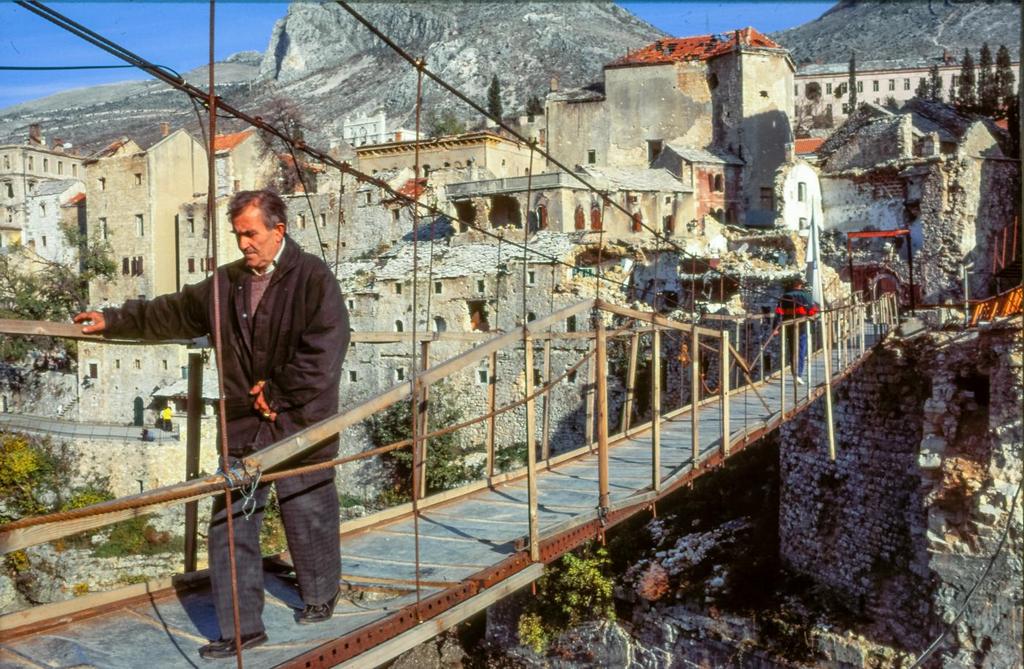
point(239, 477)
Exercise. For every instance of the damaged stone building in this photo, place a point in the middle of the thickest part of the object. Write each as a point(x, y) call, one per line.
point(728, 93)
point(941, 175)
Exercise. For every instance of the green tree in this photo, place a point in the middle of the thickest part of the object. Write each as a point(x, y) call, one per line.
point(534, 106)
point(988, 90)
point(494, 107)
point(934, 84)
point(445, 123)
point(852, 85)
point(1004, 80)
point(966, 99)
point(921, 92)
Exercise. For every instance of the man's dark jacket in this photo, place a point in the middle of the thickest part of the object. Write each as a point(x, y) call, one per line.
point(296, 342)
point(795, 303)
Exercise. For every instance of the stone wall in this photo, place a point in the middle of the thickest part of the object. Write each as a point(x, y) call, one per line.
point(903, 523)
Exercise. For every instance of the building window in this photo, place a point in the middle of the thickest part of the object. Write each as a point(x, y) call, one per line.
point(350, 304)
point(796, 89)
point(480, 286)
point(138, 178)
point(165, 365)
point(846, 108)
point(530, 317)
point(9, 188)
point(906, 84)
point(595, 217)
point(440, 325)
point(102, 225)
point(301, 221)
point(31, 187)
point(74, 169)
point(399, 326)
point(892, 84)
point(803, 223)
point(828, 89)
point(42, 209)
point(654, 148)
point(438, 288)
point(117, 363)
point(94, 370)
point(828, 108)
point(874, 86)
point(718, 183)
point(352, 376)
point(398, 289)
point(579, 219)
point(7, 162)
point(531, 278)
point(140, 227)
point(478, 316)
point(137, 364)
point(638, 222)
point(125, 269)
point(191, 265)
point(801, 192)
point(44, 241)
point(570, 324)
point(191, 225)
point(767, 199)
point(101, 183)
point(860, 86)
point(46, 164)
point(591, 157)
point(31, 163)
point(323, 220)
point(668, 224)
point(481, 376)
point(400, 374)
point(60, 167)
point(369, 197)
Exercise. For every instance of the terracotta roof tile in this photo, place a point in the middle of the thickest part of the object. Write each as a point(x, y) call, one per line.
point(699, 47)
point(228, 142)
point(809, 144)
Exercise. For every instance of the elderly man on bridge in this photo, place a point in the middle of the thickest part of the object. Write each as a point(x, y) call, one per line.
point(285, 333)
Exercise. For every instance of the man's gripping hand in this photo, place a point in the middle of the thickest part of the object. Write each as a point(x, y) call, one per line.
point(96, 322)
point(259, 401)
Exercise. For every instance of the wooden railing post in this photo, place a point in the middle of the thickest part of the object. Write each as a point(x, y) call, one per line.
point(588, 430)
point(601, 366)
point(424, 408)
point(827, 343)
point(194, 409)
point(545, 437)
point(723, 387)
point(627, 406)
point(656, 409)
point(531, 448)
point(783, 363)
point(492, 385)
point(695, 392)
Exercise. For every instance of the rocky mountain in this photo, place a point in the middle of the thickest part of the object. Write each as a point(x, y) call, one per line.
point(329, 66)
point(897, 29)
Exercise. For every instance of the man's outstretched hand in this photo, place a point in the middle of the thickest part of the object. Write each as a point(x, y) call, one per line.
point(96, 322)
point(259, 402)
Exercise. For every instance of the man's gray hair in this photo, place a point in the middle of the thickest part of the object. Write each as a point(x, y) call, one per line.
point(268, 202)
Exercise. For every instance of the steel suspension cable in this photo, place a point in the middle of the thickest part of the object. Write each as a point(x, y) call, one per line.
point(218, 345)
point(418, 447)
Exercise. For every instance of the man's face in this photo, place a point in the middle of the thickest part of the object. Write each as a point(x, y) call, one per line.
point(257, 243)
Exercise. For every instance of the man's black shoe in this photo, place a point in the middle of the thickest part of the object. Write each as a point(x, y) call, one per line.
point(226, 647)
point(318, 613)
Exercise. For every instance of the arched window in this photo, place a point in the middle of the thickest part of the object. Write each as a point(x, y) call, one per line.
point(719, 183)
point(595, 217)
point(399, 326)
point(439, 324)
point(579, 219)
point(638, 222)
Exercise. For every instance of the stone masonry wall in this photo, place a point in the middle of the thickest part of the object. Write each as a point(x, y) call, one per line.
point(923, 490)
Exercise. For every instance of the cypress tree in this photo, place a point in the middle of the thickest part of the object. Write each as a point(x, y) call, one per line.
point(934, 84)
point(923, 91)
point(494, 98)
point(988, 93)
point(852, 85)
point(966, 97)
point(1004, 80)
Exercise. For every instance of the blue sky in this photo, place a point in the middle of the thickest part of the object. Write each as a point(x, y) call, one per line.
point(174, 34)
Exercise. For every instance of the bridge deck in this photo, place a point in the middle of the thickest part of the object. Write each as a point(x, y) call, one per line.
point(459, 539)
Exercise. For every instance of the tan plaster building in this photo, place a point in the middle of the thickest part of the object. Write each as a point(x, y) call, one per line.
point(134, 197)
point(498, 155)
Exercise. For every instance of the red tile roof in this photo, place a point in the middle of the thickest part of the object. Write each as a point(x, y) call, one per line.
point(80, 197)
point(413, 187)
point(228, 142)
point(809, 144)
point(699, 47)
